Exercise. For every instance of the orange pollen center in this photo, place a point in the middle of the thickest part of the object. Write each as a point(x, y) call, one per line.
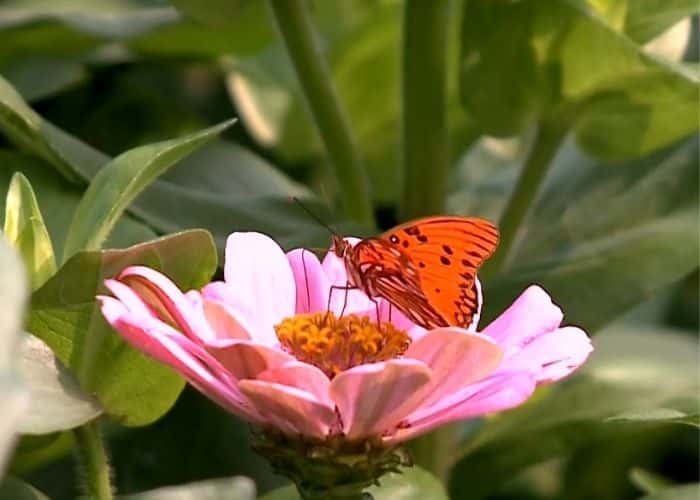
point(335, 344)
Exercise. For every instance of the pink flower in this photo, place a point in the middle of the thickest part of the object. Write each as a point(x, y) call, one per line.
point(262, 345)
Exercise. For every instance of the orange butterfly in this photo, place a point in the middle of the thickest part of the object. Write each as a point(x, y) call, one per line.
point(426, 267)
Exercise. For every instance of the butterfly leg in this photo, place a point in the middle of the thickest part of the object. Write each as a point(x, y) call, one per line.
point(346, 289)
point(306, 280)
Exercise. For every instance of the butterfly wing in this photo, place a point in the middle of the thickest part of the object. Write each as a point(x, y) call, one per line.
point(446, 253)
point(385, 271)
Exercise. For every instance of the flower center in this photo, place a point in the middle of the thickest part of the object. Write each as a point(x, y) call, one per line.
point(335, 344)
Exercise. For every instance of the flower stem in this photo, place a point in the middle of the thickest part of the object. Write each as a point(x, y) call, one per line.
point(296, 28)
point(425, 133)
point(93, 461)
point(550, 134)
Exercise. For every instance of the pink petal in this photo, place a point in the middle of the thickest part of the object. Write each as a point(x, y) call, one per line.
point(260, 280)
point(161, 342)
point(311, 283)
point(552, 356)
point(289, 409)
point(302, 376)
point(531, 315)
point(164, 298)
point(225, 323)
point(131, 301)
point(499, 392)
point(375, 397)
point(456, 359)
point(246, 360)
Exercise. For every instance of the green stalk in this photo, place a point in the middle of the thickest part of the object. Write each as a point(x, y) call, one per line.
point(547, 141)
point(296, 28)
point(426, 151)
point(425, 132)
point(92, 459)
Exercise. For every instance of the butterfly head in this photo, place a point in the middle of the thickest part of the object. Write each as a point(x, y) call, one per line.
point(343, 250)
point(341, 247)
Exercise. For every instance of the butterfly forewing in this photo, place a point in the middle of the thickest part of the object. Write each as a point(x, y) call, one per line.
point(446, 253)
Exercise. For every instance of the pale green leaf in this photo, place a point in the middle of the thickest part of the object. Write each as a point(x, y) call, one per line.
point(56, 401)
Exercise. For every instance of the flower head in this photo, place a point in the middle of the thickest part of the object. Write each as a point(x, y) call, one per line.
point(281, 343)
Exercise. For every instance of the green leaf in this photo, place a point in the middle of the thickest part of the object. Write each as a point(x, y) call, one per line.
point(689, 417)
point(13, 394)
point(131, 387)
point(16, 489)
point(412, 483)
point(109, 19)
point(572, 64)
point(56, 401)
point(235, 488)
point(28, 76)
point(594, 228)
point(238, 191)
point(58, 199)
point(622, 375)
point(24, 228)
point(646, 19)
point(120, 181)
point(23, 126)
point(685, 492)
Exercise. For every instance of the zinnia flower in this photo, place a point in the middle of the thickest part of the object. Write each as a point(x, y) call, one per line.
point(274, 343)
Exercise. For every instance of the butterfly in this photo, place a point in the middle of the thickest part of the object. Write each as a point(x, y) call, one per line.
point(426, 267)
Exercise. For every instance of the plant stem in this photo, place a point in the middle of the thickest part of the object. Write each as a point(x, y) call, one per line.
point(298, 33)
point(93, 460)
point(547, 141)
point(425, 132)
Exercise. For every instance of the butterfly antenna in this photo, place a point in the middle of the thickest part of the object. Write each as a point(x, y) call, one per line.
point(314, 216)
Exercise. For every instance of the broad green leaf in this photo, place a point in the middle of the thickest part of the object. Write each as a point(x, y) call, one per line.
point(574, 65)
point(23, 126)
point(132, 388)
point(56, 401)
point(108, 19)
point(25, 230)
point(646, 19)
point(412, 483)
point(16, 489)
point(594, 228)
point(120, 181)
point(685, 492)
point(231, 171)
point(622, 375)
point(58, 199)
point(681, 416)
point(28, 76)
point(13, 394)
point(238, 191)
point(235, 488)
point(45, 40)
